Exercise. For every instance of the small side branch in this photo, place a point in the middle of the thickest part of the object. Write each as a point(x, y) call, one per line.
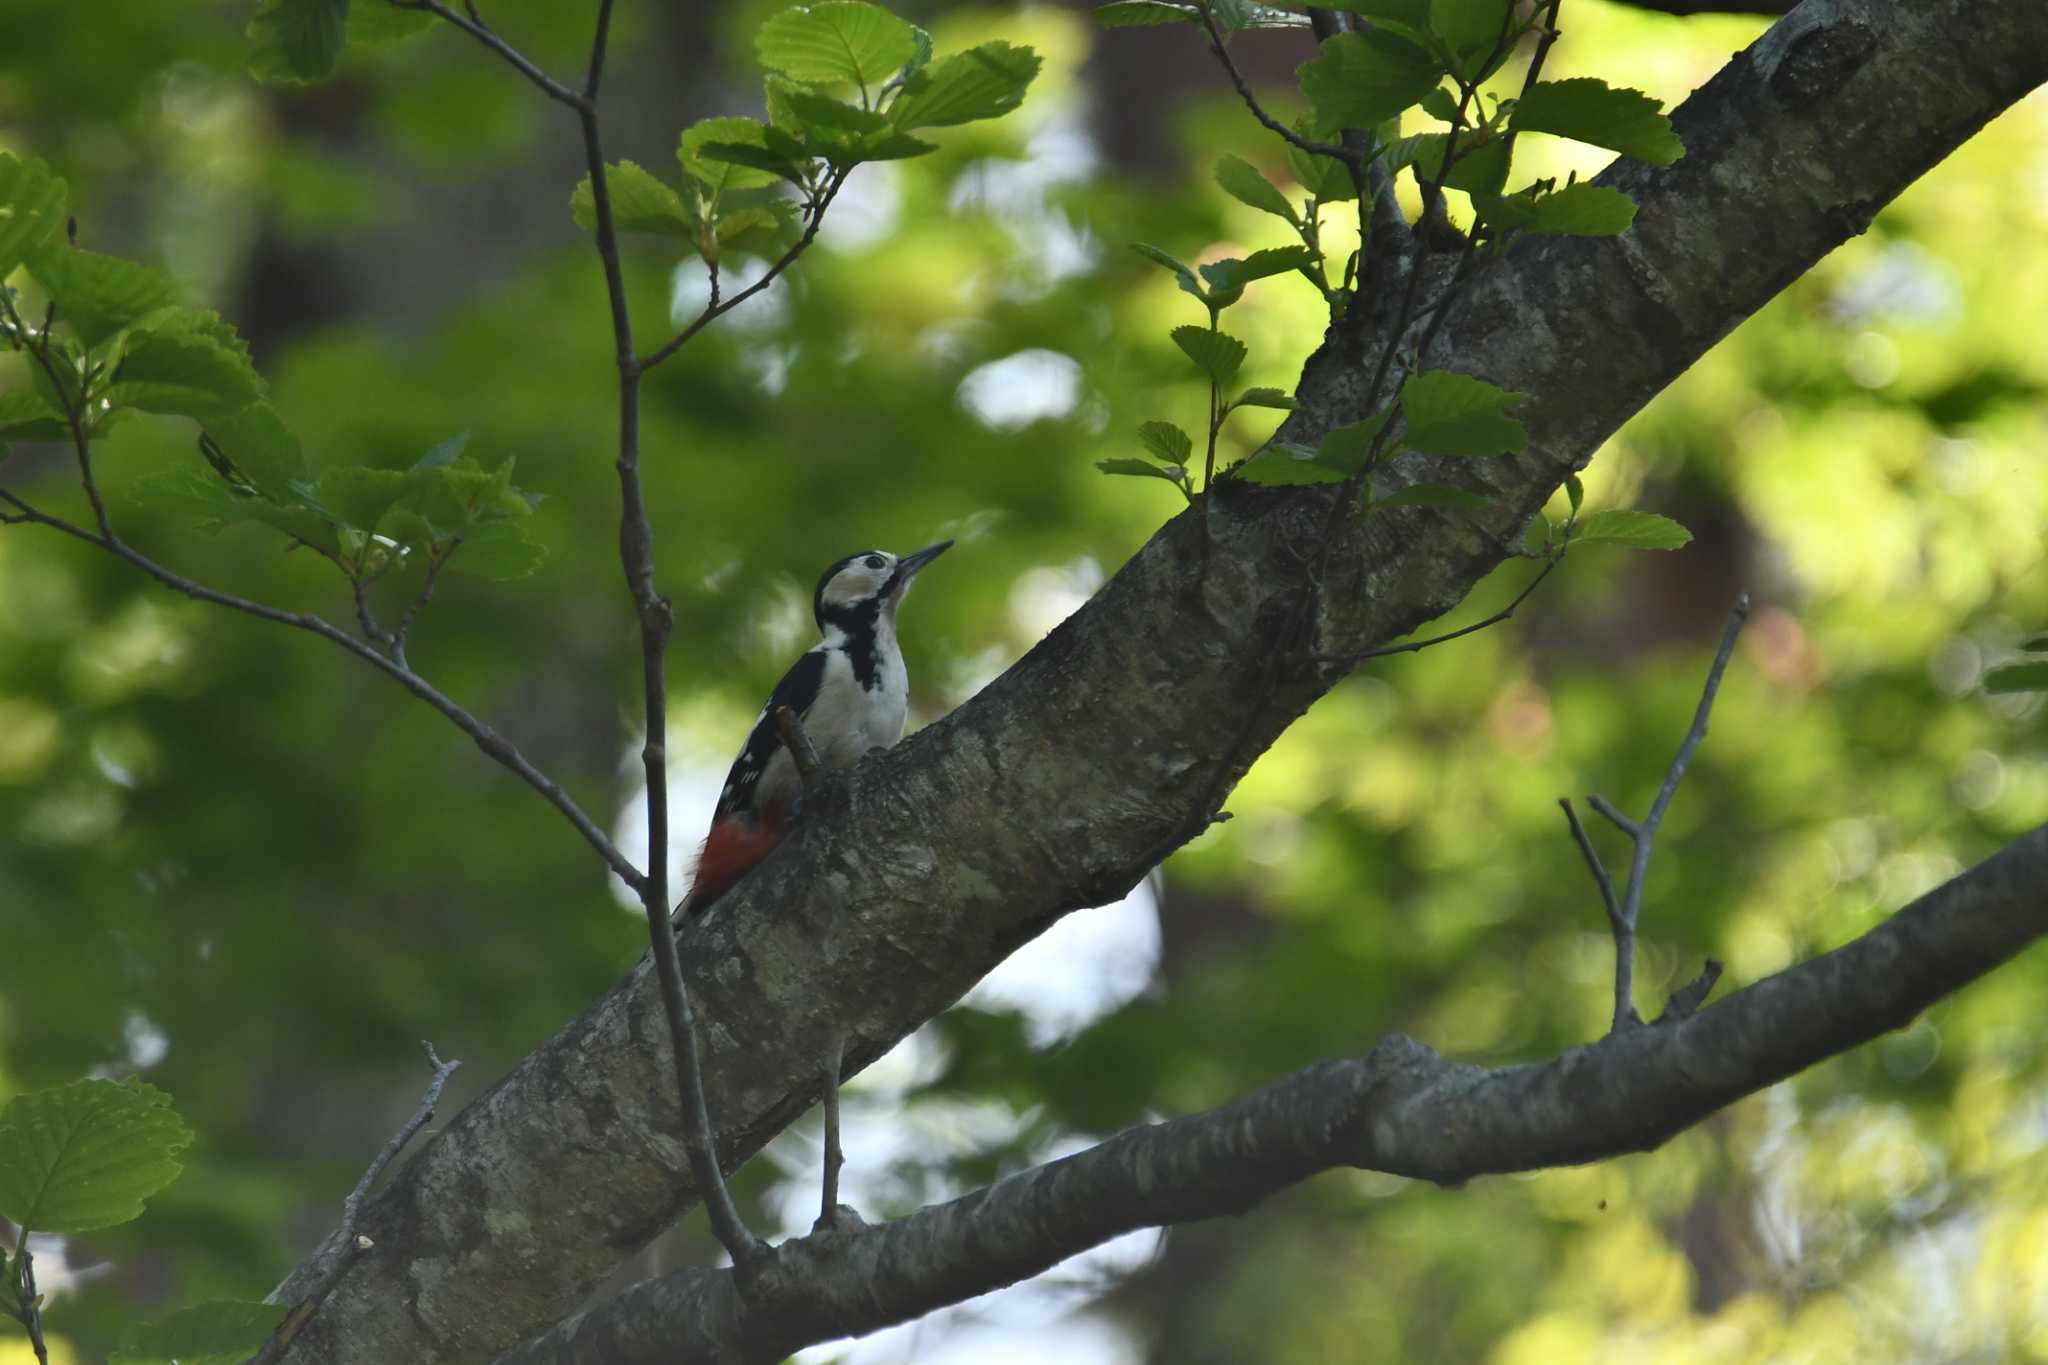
point(1350, 156)
point(344, 1246)
point(1624, 913)
point(1415, 646)
point(472, 23)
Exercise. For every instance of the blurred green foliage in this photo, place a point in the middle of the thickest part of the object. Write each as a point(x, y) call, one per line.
point(253, 872)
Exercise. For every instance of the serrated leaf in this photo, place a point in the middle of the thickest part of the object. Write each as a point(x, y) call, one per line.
point(256, 440)
point(360, 495)
point(1473, 29)
point(31, 210)
point(1441, 104)
point(1631, 530)
point(26, 415)
point(2027, 677)
point(1242, 181)
point(1167, 441)
point(836, 41)
point(1583, 211)
point(1574, 492)
point(498, 549)
point(1348, 449)
point(86, 1155)
point(1457, 414)
point(1231, 275)
point(218, 1332)
point(719, 174)
point(1480, 165)
point(1264, 398)
point(1432, 495)
point(1143, 469)
point(1216, 354)
point(98, 295)
point(775, 163)
point(185, 374)
point(1143, 14)
point(296, 40)
point(1363, 79)
point(983, 82)
point(1166, 259)
point(847, 134)
point(1327, 179)
point(640, 203)
point(1279, 466)
point(1591, 111)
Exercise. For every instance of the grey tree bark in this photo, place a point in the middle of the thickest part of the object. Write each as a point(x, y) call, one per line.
point(1117, 739)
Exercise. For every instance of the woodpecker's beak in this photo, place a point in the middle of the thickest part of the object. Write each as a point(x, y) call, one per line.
point(907, 567)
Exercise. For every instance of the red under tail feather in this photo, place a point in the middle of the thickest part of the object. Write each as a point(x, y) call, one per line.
point(731, 850)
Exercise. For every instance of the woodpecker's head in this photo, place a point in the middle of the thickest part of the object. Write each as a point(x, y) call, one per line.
point(867, 586)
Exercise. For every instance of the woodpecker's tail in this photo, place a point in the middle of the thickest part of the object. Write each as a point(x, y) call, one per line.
point(732, 848)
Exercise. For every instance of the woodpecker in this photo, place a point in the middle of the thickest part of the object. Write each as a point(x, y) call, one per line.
point(850, 691)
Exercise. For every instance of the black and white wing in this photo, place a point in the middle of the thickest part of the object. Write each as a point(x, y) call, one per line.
point(764, 773)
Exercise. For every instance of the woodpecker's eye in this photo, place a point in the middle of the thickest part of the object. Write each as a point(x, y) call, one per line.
point(874, 561)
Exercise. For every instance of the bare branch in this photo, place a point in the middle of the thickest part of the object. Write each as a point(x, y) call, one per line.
point(341, 1248)
point(1643, 834)
point(1350, 156)
point(490, 741)
point(1415, 646)
point(1402, 1109)
point(717, 308)
point(473, 24)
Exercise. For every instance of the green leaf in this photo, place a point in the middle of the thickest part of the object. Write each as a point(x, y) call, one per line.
point(1327, 179)
point(1364, 79)
point(360, 495)
point(1173, 474)
point(218, 1332)
point(1456, 414)
point(31, 210)
point(779, 164)
point(836, 41)
point(185, 374)
point(1480, 167)
point(1574, 492)
point(719, 174)
point(1264, 398)
point(99, 295)
point(1233, 16)
point(2027, 677)
point(1474, 29)
point(983, 82)
point(1143, 14)
point(847, 134)
point(498, 549)
point(640, 203)
point(1167, 441)
point(296, 40)
point(1432, 495)
point(26, 415)
point(86, 1155)
point(261, 447)
point(1631, 530)
point(1242, 181)
point(375, 21)
point(1285, 466)
point(1591, 111)
point(1158, 257)
point(1216, 354)
point(1348, 448)
point(1231, 275)
point(1583, 211)
point(1441, 104)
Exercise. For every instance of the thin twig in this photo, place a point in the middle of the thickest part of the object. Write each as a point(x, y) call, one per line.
point(477, 29)
point(1593, 863)
point(1643, 838)
point(835, 1155)
point(1348, 155)
point(716, 308)
point(435, 563)
point(31, 1317)
point(1415, 646)
point(490, 741)
point(805, 754)
point(345, 1245)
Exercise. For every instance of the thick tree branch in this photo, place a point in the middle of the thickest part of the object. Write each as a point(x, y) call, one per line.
point(1402, 1110)
point(1062, 783)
